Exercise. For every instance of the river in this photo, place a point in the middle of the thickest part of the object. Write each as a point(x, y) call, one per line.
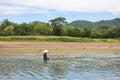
point(61, 67)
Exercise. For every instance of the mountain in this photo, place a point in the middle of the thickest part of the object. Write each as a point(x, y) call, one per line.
point(84, 23)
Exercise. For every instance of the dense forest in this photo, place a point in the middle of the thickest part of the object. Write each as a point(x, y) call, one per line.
point(57, 27)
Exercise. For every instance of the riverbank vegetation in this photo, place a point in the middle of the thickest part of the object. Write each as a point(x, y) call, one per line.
point(56, 27)
point(54, 39)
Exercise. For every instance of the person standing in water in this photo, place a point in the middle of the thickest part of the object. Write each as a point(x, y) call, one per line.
point(45, 58)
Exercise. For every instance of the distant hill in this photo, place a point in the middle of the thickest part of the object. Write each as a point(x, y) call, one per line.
point(84, 23)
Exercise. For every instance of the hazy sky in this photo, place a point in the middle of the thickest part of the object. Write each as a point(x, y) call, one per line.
point(44, 10)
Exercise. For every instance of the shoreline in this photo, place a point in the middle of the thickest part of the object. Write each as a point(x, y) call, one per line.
point(57, 48)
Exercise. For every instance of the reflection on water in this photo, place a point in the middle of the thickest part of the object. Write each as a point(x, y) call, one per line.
point(64, 67)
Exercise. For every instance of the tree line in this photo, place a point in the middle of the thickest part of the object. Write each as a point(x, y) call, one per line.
point(57, 27)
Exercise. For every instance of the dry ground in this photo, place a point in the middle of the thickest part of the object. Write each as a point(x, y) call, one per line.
point(36, 48)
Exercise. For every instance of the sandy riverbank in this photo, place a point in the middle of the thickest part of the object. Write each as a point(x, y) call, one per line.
point(36, 48)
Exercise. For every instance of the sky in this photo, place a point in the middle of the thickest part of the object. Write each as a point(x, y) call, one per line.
point(19, 11)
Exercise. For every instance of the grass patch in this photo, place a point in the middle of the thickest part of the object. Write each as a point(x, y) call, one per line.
point(54, 39)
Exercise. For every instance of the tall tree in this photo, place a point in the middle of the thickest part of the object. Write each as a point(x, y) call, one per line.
point(86, 32)
point(42, 29)
point(74, 32)
point(115, 32)
point(57, 25)
point(9, 30)
point(6, 23)
point(24, 29)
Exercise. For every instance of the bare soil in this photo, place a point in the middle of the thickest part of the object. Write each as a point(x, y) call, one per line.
point(36, 48)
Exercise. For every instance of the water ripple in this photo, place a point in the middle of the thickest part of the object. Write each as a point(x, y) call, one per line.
point(62, 67)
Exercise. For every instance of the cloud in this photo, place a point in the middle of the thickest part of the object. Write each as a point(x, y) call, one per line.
point(19, 10)
point(44, 6)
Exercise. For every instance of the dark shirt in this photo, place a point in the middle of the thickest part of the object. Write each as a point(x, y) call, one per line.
point(45, 56)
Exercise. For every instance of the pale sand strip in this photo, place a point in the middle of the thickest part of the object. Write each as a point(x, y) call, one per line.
point(36, 48)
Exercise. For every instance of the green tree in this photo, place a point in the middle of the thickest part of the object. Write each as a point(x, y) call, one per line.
point(57, 25)
point(6, 23)
point(115, 32)
point(1, 31)
point(74, 32)
point(43, 29)
point(103, 31)
point(104, 26)
point(9, 30)
point(86, 32)
point(24, 29)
